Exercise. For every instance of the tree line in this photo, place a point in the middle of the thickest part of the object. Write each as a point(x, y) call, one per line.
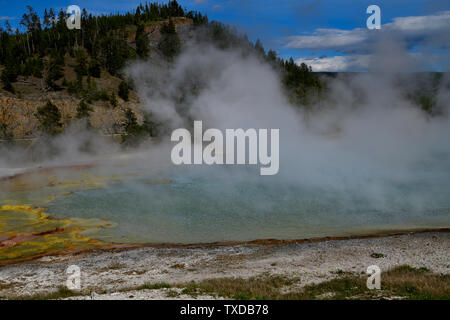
point(102, 44)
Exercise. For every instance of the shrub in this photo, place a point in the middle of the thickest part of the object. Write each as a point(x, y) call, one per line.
point(83, 110)
point(113, 100)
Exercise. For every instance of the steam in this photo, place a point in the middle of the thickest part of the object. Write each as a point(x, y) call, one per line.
point(366, 142)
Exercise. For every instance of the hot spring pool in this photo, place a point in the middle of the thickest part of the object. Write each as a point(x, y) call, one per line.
point(182, 206)
point(201, 208)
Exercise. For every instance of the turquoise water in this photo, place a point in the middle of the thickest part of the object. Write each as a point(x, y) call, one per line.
point(207, 207)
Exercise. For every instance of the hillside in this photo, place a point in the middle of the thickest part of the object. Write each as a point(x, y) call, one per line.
point(30, 92)
point(80, 72)
point(52, 76)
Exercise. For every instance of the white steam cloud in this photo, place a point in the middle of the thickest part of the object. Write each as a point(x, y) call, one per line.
point(366, 139)
point(366, 142)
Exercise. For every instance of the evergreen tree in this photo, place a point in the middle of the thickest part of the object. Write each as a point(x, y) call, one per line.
point(259, 47)
point(124, 90)
point(83, 110)
point(81, 68)
point(94, 68)
point(49, 118)
point(133, 132)
point(150, 126)
point(113, 100)
point(6, 80)
point(8, 27)
point(131, 126)
point(115, 52)
point(272, 56)
point(103, 45)
point(142, 43)
point(54, 70)
point(170, 42)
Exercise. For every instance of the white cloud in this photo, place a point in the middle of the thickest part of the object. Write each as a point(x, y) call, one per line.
point(327, 38)
point(337, 63)
point(361, 49)
point(417, 61)
point(415, 30)
point(2, 18)
point(436, 22)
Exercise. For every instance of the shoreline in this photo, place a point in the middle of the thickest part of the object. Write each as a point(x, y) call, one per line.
point(116, 247)
point(113, 274)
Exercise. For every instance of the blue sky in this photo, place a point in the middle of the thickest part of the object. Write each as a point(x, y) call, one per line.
point(306, 29)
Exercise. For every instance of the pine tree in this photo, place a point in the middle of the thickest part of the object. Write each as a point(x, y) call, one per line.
point(94, 68)
point(142, 43)
point(170, 42)
point(259, 47)
point(83, 110)
point(8, 27)
point(149, 125)
point(46, 19)
point(81, 68)
point(124, 90)
point(133, 132)
point(54, 70)
point(113, 100)
point(6, 80)
point(131, 125)
point(49, 118)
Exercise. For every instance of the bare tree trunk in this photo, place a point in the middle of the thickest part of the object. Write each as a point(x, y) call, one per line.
point(28, 43)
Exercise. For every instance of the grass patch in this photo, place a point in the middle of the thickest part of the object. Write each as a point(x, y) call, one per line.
point(341, 272)
point(263, 287)
point(403, 281)
point(408, 269)
point(416, 284)
point(172, 294)
point(64, 292)
point(152, 286)
point(61, 293)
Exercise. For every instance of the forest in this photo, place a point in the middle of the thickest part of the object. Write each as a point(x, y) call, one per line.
point(41, 49)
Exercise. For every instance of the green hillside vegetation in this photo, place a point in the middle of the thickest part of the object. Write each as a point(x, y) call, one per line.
point(87, 64)
point(48, 57)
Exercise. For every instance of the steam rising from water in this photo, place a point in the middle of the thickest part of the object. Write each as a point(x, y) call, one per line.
point(366, 139)
point(366, 154)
